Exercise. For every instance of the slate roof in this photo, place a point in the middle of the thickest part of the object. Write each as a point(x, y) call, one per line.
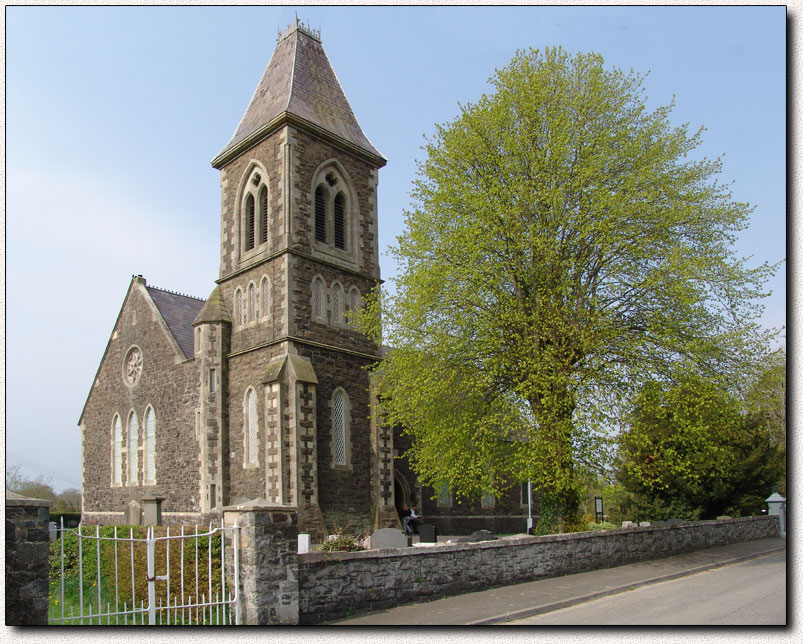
point(179, 312)
point(299, 80)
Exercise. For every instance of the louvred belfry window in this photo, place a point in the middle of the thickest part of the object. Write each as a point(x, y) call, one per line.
point(263, 215)
point(340, 225)
point(249, 222)
point(320, 214)
point(339, 427)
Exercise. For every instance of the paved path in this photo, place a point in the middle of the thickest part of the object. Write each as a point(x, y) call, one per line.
point(504, 604)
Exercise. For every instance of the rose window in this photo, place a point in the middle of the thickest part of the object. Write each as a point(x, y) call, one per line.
point(133, 365)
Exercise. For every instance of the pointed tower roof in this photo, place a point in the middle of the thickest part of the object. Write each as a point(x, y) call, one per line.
point(214, 310)
point(299, 86)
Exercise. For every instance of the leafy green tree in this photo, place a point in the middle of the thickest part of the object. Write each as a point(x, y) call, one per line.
point(37, 488)
point(40, 487)
point(563, 247)
point(692, 452)
point(767, 396)
point(766, 402)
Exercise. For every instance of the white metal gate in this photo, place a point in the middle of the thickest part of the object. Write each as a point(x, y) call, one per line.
point(105, 573)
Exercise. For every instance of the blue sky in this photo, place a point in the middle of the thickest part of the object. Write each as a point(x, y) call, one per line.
point(114, 113)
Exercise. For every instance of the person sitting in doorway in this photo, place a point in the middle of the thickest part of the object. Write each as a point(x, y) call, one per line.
point(410, 520)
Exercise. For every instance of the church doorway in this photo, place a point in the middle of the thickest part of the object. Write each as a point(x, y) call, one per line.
point(401, 493)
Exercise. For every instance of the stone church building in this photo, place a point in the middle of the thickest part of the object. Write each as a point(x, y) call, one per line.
point(261, 391)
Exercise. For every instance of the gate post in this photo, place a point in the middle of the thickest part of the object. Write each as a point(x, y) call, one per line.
point(27, 547)
point(268, 560)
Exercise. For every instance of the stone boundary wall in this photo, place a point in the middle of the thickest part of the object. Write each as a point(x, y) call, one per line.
point(27, 547)
point(333, 585)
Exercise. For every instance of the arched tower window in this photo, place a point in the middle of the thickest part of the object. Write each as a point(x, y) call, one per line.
point(340, 428)
point(238, 307)
point(251, 425)
point(334, 213)
point(340, 223)
point(320, 214)
point(133, 444)
point(266, 298)
point(150, 445)
point(354, 298)
point(252, 303)
point(117, 449)
point(317, 299)
point(249, 222)
point(253, 210)
point(337, 304)
point(263, 215)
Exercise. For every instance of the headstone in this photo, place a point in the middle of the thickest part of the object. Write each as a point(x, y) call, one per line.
point(628, 524)
point(723, 517)
point(133, 514)
point(644, 524)
point(153, 510)
point(53, 530)
point(675, 522)
point(304, 543)
point(428, 533)
point(387, 538)
point(482, 535)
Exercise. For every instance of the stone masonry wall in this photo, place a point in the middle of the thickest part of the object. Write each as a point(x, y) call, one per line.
point(27, 570)
point(247, 481)
point(344, 492)
point(308, 156)
point(169, 384)
point(267, 155)
point(268, 592)
point(333, 584)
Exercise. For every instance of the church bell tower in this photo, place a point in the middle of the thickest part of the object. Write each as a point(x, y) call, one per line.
point(298, 251)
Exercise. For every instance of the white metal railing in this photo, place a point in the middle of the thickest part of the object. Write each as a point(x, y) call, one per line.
point(217, 606)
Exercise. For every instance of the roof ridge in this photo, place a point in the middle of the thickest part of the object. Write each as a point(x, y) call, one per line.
point(292, 69)
point(166, 290)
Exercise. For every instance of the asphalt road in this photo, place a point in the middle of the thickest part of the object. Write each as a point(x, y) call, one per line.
point(749, 593)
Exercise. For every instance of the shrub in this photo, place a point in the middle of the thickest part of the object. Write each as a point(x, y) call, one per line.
point(341, 540)
point(602, 525)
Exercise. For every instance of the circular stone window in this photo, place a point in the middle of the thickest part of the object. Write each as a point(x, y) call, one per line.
point(132, 367)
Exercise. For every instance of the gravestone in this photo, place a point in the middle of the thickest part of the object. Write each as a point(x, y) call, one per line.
point(644, 524)
point(628, 524)
point(428, 533)
point(387, 538)
point(675, 522)
point(133, 513)
point(304, 543)
point(153, 510)
point(482, 535)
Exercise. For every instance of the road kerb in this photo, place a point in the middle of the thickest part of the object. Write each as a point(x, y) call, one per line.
point(580, 599)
